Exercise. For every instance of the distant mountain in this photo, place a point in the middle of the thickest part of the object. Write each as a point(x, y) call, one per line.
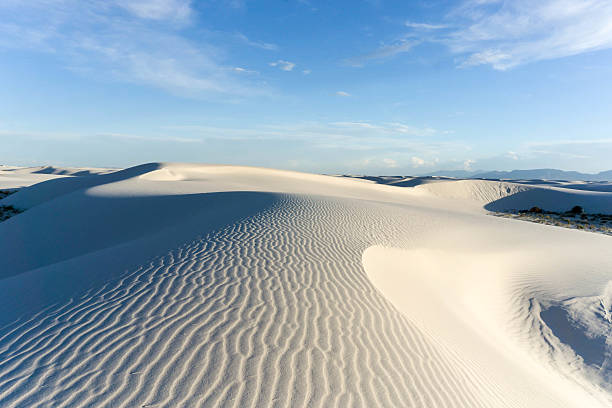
point(545, 174)
point(534, 174)
point(454, 173)
point(605, 175)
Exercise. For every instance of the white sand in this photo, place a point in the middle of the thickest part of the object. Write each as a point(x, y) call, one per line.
point(173, 285)
point(12, 177)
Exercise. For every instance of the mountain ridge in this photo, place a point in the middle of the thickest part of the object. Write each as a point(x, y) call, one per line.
point(541, 174)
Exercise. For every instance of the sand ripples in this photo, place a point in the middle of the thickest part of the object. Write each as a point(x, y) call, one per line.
point(274, 310)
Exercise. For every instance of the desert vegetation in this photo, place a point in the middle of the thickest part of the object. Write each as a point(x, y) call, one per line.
point(7, 211)
point(6, 193)
point(574, 218)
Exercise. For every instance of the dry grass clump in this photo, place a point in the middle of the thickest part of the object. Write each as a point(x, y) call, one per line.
point(575, 218)
point(8, 211)
point(6, 193)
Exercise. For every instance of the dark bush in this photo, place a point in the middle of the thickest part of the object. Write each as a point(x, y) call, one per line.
point(576, 210)
point(6, 193)
point(8, 211)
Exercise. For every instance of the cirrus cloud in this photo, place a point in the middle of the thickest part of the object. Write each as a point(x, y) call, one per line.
point(284, 65)
point(505, 34)
point(136, 41)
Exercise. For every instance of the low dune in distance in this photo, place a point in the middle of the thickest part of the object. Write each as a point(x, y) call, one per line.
point(184, 285)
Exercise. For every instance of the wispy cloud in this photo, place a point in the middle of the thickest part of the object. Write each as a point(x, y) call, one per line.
point(359, 136)
point(136, 41)
point(158, 9)
point(512, 155)
point(389, 128)
point(397, 164)
point(417, 161)
point(569, 149)
point(390, 163)
point(256, 44)
point(508, 34)
point(467, 164)
point(62, 136)
point(411, 130)
point(425, 26)
point(173, 139)
point(284, 65)
point(244, 70)
point(358, 125)
point(364, 146)
point(343, 93)
point(399, 46)
point(570, 142)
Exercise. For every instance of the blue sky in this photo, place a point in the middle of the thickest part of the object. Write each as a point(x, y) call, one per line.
point(361, 86)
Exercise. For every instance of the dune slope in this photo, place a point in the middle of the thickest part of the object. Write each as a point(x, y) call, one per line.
point(185, 285)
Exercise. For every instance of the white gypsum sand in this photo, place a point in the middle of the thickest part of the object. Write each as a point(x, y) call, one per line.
point(176, 285)
point(12, 177)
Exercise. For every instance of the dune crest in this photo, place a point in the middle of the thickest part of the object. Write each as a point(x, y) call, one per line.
point(182, 285)
point(484, 307)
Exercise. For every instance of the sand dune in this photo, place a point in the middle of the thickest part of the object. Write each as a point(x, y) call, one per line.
point(594, 197)
point(173, 285)
point(504, 196)
point(16, 177)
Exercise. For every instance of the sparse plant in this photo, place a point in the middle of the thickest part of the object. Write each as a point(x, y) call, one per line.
point(568, 219)
point(576, 210)
point(6, 193)
point(8, 211)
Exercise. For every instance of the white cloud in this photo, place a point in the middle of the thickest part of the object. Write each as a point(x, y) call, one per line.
point(570, 142)
point(417, 162)
point(570, 149)
point(425, 26)
point(399, 163)
point(244, 70)
point(411, 130)
point(362, 125)
point(567, 155)
point(63, 137)
point(343, 93)
point(495, 57)
point(354, 136)
point(284, 65)
point(399, 46)
point(467, 164)
point(334, 148)
point(373, 164)
point(169, 74)
point(257, 44)
point(306, 72)
point(510, 33)
point(158, 9)
point(391, 128)
point(172, 139)
point(512, 155)
point(99, 39)
point(506, 34)
point(391, 163)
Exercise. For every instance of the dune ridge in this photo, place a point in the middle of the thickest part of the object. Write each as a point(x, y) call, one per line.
point(277, 305)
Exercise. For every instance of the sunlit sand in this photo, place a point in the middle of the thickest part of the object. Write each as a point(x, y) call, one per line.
point(181, 285)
